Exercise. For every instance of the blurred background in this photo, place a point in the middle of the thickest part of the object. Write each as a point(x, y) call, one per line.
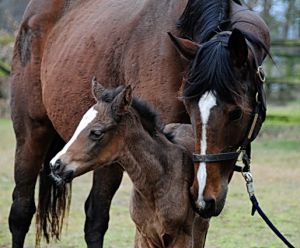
point(276, 155)
point(282, 17)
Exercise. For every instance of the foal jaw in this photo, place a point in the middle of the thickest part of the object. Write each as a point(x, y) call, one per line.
point(59, 182)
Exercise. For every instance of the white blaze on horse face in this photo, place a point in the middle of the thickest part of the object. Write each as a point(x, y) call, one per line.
point(88, 117)
point(205, 104)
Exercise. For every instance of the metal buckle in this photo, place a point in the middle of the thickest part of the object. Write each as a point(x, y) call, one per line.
point(241, 154)
point(261, 73)
point(249, 183)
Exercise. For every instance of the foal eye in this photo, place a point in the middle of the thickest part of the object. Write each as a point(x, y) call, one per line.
point(96, 134)
point(235, 114)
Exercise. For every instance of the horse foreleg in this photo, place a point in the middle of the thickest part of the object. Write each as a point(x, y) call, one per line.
point(200, 229)
point(106, 181)
point(32, 143)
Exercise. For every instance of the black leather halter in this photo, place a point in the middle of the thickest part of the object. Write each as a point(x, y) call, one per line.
point(245, 148)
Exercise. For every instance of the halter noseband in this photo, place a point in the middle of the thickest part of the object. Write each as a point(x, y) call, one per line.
point(245, 148)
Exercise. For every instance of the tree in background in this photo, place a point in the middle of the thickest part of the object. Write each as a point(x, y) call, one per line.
point(282, 16)
point(11, 12)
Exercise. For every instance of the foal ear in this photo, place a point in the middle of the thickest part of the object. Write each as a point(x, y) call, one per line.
point(186, 48)
point(97, 89)
point(238, 48)
point(122, 102)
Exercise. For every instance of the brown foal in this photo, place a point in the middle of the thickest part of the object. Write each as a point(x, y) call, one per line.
point(123, 129)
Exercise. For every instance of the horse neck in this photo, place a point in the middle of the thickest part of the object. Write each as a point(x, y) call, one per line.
point(148, 160)
point(144, 161)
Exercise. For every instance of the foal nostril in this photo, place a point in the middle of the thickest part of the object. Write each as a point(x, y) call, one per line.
point(56, 165)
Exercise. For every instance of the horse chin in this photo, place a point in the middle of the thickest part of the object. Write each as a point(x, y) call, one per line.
point(208, 214)
point(61, 180)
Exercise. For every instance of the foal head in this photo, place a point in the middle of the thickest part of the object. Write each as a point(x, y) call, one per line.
point(99, 137)
point(220, 92)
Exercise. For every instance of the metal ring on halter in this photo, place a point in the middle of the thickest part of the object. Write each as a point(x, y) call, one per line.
point(261, 73)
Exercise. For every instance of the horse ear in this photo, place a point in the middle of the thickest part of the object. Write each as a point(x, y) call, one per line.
point(121, 102)
point(238, 48)
point(97, 89)
point(186, 48)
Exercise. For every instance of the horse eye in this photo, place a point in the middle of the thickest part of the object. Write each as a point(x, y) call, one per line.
point(235, 114)
point(96, 134)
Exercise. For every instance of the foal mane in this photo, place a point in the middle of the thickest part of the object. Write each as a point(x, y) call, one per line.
point(149, 117)
point(202, 19)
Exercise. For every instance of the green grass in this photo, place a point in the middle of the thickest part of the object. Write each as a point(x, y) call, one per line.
point(4, 69)
point(285, 42)
point(276, 170)
point(6, 39)
point(284, 115)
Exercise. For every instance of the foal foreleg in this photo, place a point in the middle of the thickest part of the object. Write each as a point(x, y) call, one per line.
point(200, 229)
point(106, 181)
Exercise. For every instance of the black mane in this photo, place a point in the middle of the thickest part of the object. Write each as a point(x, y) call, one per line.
point(202, 19)
point(149, 117)
point(212, 70)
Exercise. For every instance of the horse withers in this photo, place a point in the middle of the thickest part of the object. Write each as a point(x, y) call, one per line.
point(59, 45)
point(124, 130)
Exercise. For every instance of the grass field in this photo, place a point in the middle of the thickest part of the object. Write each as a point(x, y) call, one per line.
point(276, 170)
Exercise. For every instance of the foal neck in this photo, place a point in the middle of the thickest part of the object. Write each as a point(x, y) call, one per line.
point(153, 161)
point(161, 173)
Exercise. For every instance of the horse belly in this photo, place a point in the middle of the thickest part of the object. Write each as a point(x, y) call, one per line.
point(121, 44)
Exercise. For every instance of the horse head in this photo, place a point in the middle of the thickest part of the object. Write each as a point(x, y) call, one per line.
point(98, 139)
point(223, 95)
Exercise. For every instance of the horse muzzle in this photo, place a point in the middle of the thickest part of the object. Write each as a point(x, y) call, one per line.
point(59, 175)
point(209, 209)
point(209, 206)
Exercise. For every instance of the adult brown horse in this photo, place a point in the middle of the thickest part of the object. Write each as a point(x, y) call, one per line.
point(60, 45)
point(62, 42)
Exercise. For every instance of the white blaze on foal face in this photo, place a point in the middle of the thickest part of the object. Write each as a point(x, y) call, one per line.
point(88, 117)
point(206, 103)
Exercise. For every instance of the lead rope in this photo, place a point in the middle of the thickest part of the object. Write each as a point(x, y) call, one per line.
point(255, 205)
point(245, 170)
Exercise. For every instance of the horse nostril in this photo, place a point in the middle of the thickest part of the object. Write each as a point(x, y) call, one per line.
point(210, 204)
point(56, 165)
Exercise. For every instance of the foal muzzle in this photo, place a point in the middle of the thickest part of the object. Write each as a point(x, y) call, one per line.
point(58, 174)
